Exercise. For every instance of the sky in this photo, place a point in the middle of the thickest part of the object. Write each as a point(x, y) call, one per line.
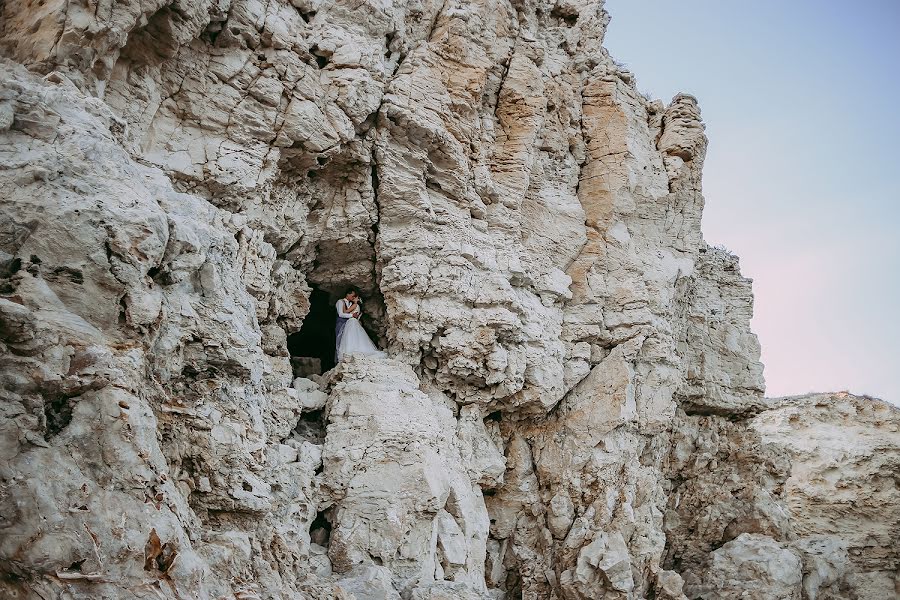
point(802, 174)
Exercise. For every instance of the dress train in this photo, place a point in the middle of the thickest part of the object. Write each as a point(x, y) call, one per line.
point(355, 340)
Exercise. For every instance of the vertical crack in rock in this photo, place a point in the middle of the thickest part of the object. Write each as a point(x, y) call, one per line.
point(573, 404)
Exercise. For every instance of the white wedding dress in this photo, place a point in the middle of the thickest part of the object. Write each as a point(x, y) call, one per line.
point(355, 340)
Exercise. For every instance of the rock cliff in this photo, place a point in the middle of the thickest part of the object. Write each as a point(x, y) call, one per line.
point(573, 407)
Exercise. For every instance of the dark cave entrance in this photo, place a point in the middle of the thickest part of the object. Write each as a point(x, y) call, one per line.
point(312, 348)
point(320, 529)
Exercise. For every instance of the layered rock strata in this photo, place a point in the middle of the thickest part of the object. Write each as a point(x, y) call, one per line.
point(573, 404)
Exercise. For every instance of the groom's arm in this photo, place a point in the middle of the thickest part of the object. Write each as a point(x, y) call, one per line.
point(340, 310)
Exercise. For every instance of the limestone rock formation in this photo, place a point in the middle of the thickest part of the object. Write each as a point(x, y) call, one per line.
point(841, 491)
point(573, 404)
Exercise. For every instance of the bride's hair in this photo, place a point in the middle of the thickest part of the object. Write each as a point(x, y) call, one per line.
point(351, 290)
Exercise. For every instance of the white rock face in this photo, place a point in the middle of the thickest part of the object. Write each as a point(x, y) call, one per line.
point(840, 493)
point(753, 565)
point(573, 404)
point(402, 496)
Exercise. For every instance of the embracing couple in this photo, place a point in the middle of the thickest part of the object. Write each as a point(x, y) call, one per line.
point(350, 337)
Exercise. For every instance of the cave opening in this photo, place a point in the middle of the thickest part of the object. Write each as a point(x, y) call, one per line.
point(311, 426)
point(57, 414)
point(312, 348)
point(320, 529)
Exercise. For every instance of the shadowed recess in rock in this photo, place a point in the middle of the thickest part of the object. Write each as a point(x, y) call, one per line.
point(315, 340)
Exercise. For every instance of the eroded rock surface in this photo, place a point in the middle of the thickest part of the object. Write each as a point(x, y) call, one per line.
point(573, 405)
point(841, 491)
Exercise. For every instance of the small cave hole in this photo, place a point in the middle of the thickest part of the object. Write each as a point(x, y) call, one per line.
point(494, 416)
point(311, 426)
point(388, 38)
point(76, 566)
point(212, 31)
point(488, 492)
point(306, 16)
point(322, 160)
point(322, 56)
point(58, 414)
point(10, 267)
point(563, 15)
point(247, 487)
point(123, 311)
point(320, 529)
point(513, 585)
point(155, 41)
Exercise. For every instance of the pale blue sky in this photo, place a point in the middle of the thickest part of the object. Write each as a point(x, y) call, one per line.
point(802, 176)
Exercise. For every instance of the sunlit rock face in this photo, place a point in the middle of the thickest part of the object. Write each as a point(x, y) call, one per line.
point(573, 404)
point(841, 492)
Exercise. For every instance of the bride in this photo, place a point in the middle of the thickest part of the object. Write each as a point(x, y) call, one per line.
point(351, 338)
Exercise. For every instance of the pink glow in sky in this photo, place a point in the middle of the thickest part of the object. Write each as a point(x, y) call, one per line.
point(802, 176)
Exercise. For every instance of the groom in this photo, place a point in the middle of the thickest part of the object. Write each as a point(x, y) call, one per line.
point(347, 308)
